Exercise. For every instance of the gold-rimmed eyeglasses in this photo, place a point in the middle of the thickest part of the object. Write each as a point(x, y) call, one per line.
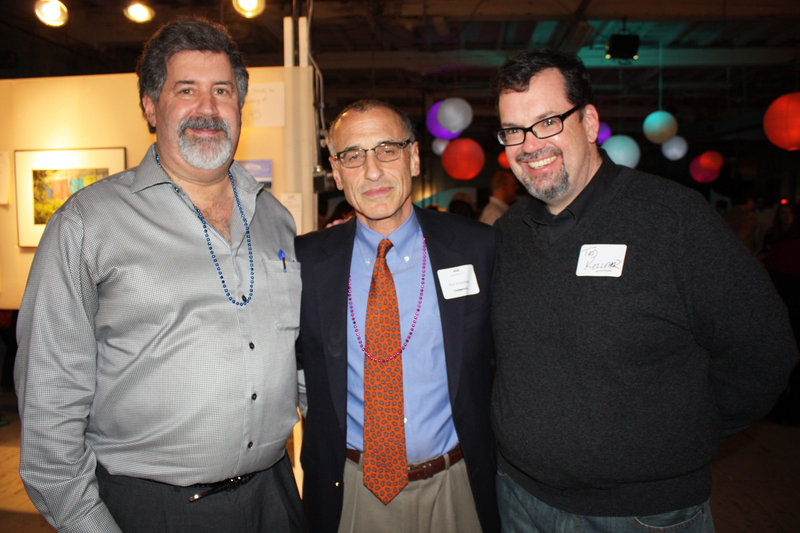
point(386, 152)
point(547, 127)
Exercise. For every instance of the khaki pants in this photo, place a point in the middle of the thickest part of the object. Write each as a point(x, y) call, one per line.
point(440, 504)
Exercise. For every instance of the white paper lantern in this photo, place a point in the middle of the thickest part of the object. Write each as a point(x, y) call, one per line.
point(675, 148)
point(455, 114)
point(660, 126)
point(439, 145)
point(622, 150)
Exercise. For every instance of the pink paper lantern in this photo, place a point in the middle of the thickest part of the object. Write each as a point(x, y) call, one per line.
point(700, 174)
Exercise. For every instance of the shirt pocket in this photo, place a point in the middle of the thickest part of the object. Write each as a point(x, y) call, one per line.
point(284, 292)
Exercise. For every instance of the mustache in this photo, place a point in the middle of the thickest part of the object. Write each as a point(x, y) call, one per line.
point(538, 154)
point(204, 123)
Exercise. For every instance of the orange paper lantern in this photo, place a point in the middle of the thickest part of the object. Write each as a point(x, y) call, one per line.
point(711, 160)
point(782, 122)
point(502, 160)
point(463, 159)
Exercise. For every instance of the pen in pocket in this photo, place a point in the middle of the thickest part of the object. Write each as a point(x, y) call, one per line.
point(282, 257)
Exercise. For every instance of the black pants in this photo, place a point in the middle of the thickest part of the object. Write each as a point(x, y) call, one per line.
point(268, 503)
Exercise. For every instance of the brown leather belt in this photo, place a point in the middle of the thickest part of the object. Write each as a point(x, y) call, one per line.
point(422, 470)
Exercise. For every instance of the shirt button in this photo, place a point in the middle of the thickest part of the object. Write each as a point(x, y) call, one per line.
point(244, 298)
point(249, 444)
point(254, 396)
point(252, 345)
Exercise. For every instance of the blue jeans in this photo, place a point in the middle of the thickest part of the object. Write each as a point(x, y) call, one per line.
point(521, 512)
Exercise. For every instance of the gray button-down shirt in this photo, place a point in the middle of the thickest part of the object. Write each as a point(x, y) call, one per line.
point(131, 354)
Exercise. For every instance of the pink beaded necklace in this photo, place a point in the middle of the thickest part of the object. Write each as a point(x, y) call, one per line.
point(413, 322)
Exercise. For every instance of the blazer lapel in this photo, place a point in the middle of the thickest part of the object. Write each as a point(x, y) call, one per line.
point(443, 253)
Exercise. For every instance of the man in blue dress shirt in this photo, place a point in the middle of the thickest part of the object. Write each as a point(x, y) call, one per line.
point(441, 266)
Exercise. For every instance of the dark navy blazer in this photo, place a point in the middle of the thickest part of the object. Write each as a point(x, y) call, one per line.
point(322, 353)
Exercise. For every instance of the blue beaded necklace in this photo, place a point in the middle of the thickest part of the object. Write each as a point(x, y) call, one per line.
point(246, 299)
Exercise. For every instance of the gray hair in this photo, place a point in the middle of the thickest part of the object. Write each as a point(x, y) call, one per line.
point(186, 34)
point(361, 106)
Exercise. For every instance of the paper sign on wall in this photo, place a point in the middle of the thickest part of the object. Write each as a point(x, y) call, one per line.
point(264, 105)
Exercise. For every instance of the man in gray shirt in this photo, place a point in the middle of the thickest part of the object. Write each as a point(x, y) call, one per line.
point(156, 372)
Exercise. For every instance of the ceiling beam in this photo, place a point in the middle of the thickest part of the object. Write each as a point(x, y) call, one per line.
point(592, 58)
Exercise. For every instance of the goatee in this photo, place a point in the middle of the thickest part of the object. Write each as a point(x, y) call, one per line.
point(205, 153)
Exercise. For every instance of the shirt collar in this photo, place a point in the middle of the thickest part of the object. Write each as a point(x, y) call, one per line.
point(148, 174)
point(402, 238)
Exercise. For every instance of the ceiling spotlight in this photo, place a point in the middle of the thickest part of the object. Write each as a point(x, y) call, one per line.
point(249, 8)
point(139, 12)
point(623, 45)
point(51, 12)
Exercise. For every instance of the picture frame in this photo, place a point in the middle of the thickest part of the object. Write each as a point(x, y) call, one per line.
point(46, 178)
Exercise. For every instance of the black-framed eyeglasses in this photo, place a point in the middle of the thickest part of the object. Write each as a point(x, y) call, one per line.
point(385, 152)
point(547, 127)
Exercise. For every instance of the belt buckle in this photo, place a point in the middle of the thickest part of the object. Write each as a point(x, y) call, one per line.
point(427, 469)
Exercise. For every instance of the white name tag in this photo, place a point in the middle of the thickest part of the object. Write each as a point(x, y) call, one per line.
point(458, 281)
point(602, 260)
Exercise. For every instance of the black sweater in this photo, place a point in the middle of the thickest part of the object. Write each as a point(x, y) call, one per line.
point(612, 393)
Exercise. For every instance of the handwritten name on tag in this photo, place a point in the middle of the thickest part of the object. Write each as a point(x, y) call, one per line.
point(458, 281)
point(601, 260)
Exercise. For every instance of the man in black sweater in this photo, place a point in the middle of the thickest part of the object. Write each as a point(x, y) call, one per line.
point(634, 331)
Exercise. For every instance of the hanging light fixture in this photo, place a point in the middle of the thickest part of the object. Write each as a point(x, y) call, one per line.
point(51, 12)
point(139, 12)
point(623, 45)
point(249, 8)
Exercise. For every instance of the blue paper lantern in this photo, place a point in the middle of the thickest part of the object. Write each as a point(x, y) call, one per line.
point(622, 150)
point(660, 126)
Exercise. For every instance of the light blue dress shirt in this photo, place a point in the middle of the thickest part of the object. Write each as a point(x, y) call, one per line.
point(429, 421)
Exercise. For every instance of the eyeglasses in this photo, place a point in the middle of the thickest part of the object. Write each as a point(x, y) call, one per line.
point(385, 152)
point(543, 129)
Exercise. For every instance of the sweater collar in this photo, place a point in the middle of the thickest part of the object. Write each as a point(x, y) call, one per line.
point(595, 192)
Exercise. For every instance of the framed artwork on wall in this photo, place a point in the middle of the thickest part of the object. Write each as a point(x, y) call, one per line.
point(46, 178)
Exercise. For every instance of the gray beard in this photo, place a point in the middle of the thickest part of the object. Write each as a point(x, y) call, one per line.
point(558, 188)
point(206, 154)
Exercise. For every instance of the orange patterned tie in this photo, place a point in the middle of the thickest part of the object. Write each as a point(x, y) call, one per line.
point(385, 470)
